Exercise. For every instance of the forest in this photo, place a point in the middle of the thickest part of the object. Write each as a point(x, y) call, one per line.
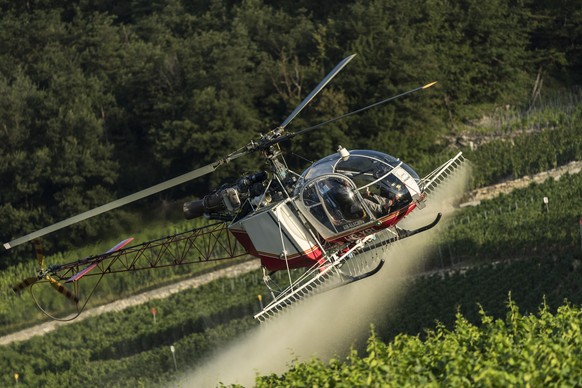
point(101, 99)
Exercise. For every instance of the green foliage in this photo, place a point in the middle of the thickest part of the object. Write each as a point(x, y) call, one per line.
point(438, 297)
point(125, 348)
point(519, 224)
point(483, 49)
point(89, 89)
point(557, 36)
point(536, 350)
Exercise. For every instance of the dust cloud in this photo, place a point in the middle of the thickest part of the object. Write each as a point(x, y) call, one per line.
point(327, 325)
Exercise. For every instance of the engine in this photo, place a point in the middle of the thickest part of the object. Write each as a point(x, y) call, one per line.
point(229, 197)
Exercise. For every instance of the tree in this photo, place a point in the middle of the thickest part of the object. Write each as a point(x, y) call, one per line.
point(482, 52)
point(56, 161)
point(556, 38)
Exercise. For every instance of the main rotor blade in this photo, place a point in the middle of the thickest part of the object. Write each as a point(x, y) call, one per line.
point(178, 180)
point(293, 134)
point(317, 89)
point(123, 201)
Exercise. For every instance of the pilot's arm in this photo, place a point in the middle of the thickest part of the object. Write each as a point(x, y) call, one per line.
point(379, 205)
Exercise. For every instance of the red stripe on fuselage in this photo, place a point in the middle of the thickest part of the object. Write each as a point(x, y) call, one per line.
point(362, 231)
point(272, 261)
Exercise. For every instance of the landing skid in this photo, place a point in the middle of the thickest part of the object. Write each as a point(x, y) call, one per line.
point(311, 282)
point(401, 234)
point(404, 233)
point(337, 271)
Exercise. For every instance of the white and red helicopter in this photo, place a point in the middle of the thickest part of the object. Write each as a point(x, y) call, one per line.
point(320, 226)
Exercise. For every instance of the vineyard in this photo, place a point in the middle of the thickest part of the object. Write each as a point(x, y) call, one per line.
point(559, 143)
point(518, 224)
point(529, 350)
point(448, 328)
point(546, 139)
point(128, 348)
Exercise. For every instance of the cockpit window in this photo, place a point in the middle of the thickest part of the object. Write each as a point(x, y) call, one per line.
point(361, 165)
point(343, 193)
point(335, 202)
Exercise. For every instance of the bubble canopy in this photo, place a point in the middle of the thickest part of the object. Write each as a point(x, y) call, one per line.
point(364, 165)
point(341, 194)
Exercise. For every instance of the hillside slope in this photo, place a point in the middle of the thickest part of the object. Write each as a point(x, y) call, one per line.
point(476, 196)
point(472, 198)
point(532, 350)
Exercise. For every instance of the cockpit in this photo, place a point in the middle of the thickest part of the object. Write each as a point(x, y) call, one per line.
point(341, 193)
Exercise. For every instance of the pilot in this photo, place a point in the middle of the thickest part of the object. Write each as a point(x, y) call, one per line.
point(345, 198)
point(378, 204)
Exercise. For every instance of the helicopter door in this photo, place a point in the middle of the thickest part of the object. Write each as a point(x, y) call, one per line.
point(332, 204)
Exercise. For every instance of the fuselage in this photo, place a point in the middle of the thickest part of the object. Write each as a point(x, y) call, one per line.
point(337, 200)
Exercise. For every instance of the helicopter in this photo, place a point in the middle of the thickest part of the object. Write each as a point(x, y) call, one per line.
point(323, 227)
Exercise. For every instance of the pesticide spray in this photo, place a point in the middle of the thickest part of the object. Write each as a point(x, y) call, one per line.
point(329, 324)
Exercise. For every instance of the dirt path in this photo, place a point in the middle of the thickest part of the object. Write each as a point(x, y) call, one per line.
point(135, 300)
point(474, 198)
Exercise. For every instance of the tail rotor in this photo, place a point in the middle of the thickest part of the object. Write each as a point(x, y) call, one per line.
point(44, 274)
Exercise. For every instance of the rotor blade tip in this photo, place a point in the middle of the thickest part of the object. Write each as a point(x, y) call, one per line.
point(7, 246)
point(429, 85)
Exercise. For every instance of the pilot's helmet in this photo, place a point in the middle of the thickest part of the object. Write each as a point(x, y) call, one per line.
point(347, 201)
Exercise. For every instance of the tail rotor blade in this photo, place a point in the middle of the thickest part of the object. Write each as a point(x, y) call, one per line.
point(30, 281)
point(24, 284)
point(39, 253)
point(61, 289)
point(90, 267)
